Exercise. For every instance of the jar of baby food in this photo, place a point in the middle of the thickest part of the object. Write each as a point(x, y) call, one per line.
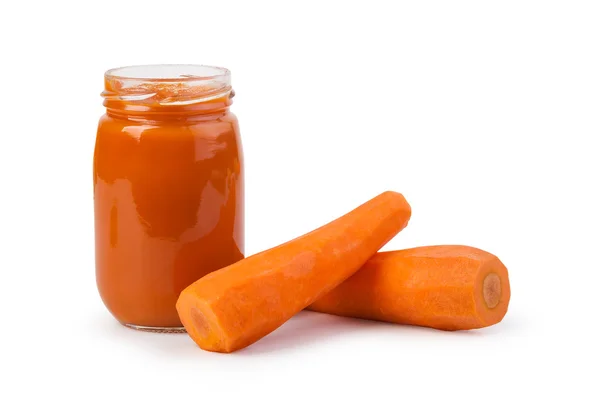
point(168, 188)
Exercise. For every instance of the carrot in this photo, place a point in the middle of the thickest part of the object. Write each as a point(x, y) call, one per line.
point(448, 287)
point(233, 307)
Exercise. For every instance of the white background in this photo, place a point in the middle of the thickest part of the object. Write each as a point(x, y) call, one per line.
point(484, 114)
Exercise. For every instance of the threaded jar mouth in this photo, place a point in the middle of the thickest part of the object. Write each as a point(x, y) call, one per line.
point(166, 84)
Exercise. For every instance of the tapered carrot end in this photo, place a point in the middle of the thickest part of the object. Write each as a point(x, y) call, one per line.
point(400, 201)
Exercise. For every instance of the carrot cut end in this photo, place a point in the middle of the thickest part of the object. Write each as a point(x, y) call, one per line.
point(201, 325)
point(492, 290)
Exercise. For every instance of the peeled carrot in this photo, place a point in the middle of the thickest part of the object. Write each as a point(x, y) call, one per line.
point(233, 307)
point(448, 287)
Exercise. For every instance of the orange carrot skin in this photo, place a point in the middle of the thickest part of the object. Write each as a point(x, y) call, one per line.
point(233, 307)
point(437, 286)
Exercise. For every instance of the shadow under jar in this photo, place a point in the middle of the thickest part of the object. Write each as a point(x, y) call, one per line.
point(168, 188)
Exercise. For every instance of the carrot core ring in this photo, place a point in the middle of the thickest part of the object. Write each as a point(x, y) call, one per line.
point(492, 290)
point(200, 322)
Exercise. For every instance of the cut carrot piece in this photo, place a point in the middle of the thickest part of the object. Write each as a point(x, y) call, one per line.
point(233, 307)
point(448, 287)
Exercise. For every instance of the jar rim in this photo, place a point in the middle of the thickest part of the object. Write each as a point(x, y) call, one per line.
point(169, 85)
point(168, 73)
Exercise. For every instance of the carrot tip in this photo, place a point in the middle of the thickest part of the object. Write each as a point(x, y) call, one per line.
point(492, 290)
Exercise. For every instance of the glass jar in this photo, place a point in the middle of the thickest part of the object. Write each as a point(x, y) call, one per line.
point(168, 188)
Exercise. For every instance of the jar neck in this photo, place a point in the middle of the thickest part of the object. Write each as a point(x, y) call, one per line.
point(163, 92)
point(198, 111)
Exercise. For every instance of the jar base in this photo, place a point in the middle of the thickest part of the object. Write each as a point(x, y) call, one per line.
point(163, 330)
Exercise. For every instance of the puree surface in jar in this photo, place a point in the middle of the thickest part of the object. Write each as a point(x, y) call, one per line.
point(168, 188)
